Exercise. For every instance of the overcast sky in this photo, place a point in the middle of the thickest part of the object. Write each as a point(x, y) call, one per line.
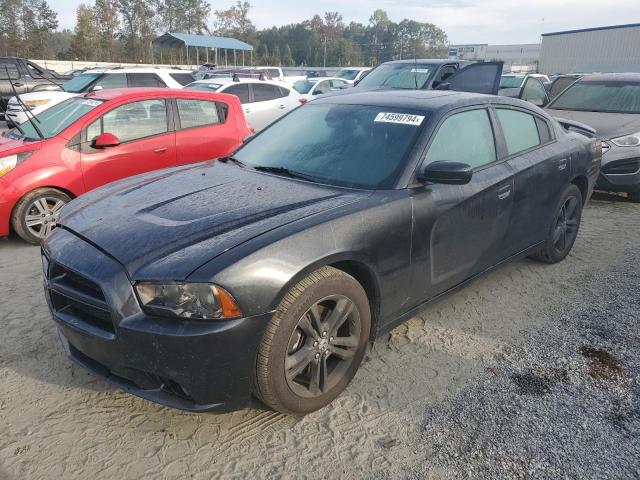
point(464, 21)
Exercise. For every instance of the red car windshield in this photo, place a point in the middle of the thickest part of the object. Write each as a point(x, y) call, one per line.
point(55, 119)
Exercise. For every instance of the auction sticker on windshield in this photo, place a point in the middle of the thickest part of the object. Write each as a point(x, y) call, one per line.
point(402, 118)
point(91, 103)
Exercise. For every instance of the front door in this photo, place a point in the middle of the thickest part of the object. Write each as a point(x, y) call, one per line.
point(481, 77)
point(461, 230)
point(146, 143)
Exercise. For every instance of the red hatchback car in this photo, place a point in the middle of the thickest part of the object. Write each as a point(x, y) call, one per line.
point(103, 136)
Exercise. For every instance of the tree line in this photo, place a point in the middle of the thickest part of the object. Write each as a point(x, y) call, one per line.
point(123, 30)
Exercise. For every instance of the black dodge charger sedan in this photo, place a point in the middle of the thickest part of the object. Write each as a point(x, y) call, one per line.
point(268, 272)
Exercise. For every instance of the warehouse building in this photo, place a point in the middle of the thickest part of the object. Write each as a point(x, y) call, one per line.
point(604, 49)
point(516, 58)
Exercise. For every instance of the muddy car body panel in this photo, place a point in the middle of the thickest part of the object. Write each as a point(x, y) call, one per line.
point(257, 233)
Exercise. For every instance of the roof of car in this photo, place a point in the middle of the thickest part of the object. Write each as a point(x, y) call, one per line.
point(227, 80)
point(619, 77)
point(111, 93)
point(136, 70)
point(427, 100)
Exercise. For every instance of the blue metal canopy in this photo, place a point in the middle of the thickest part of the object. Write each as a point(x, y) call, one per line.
point(176, 40)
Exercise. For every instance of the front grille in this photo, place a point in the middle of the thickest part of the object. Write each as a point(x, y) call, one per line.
point(76, 296)
point(622, 167)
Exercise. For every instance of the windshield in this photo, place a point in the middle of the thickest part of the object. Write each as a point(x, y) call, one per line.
point(303, 86)
point(357, 146)
point(511, 82)
point(347, 74)
point(206, 87)
point(398, 75)
point(55, 119)
point(606, 96)
point(79, 83)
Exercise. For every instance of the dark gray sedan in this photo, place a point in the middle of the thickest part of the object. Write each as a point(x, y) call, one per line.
point(610, 103)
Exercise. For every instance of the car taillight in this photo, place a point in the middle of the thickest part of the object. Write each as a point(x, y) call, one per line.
point(303, 100)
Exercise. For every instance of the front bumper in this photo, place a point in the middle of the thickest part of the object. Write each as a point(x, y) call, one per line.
point(192, 366)
point(620, 170)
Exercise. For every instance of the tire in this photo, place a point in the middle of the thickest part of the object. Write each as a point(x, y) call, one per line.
point(567, 215)
point(42, 204)
point(634, 197)
point(291, 335)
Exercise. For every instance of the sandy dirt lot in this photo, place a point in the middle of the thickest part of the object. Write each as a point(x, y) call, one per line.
point(396, 420)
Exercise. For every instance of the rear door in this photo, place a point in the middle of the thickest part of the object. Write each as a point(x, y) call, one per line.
point(461, 230)
point(541, 171)
point(477, 78)
point(240, 90)
point(267, 104)
point(147, 143)
point(205, 130)
point(10, 78)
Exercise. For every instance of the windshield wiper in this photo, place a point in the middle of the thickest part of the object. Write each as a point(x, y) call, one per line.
point(232, 159)
point(286, 173)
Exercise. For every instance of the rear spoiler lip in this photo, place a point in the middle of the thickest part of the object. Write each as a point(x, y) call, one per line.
point(576, 126)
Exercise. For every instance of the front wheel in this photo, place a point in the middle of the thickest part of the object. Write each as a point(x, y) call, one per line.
point(314, 343)
point(564, 227)
point(37, 213)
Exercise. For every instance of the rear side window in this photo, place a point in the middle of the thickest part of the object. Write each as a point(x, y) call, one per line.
point(241, 91)
point(263, 93)
point(543, 130)
point(132, 121)
point(520, 130)
point(465, 137)
point(145, 80)
point(112, 80)
point(198, 113)
point(8, 70)
point(182, 78)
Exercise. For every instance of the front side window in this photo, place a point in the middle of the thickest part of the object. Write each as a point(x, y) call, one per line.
point(197, 113)
point(80, 83)
point(359, 146)
point(608, 96)
point(241, 91)
point(399, 75)
point(145, 80)
point(132, 121)
point(322, 87)
point(347, 74)
point(520, 130)
point(113, 80)
point(465, 137)
point(508, 81)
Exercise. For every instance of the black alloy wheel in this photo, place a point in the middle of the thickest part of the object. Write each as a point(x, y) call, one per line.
point(314, 343)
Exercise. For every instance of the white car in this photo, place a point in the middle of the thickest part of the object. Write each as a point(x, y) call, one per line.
point(96, 79)
point(352, 74)
point(263, 101)
point(512, 83)
point(311, 87)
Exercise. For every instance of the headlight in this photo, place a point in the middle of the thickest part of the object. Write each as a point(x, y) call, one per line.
point(10, 162)
point(31, 104)
point(632, 140)
point(198, 301)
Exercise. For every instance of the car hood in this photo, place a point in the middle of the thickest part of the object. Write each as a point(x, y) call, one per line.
point(164, 225)
point(9, 146)
point(607, 125)
point(54, 96)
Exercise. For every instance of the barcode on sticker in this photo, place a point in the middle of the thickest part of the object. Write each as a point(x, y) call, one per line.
point(403, 118)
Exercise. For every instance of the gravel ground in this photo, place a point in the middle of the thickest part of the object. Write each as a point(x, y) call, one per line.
point(530, 372)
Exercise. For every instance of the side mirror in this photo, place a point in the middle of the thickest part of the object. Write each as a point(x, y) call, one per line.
point(450, 173)
point(443, 86)
point(105, 140)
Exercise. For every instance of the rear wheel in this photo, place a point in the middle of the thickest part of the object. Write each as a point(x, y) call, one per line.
point(37, 213)
point(564, 227)
point(314, 343)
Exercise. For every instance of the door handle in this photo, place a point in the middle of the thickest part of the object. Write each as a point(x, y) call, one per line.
point(504, 192)
point(246, 110)
point(160, 150)
point(18, 84)
point(562, 164)
point(282, 107)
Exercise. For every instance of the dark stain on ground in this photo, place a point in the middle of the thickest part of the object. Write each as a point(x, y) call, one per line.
point(604, 366)
point(538, 381)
